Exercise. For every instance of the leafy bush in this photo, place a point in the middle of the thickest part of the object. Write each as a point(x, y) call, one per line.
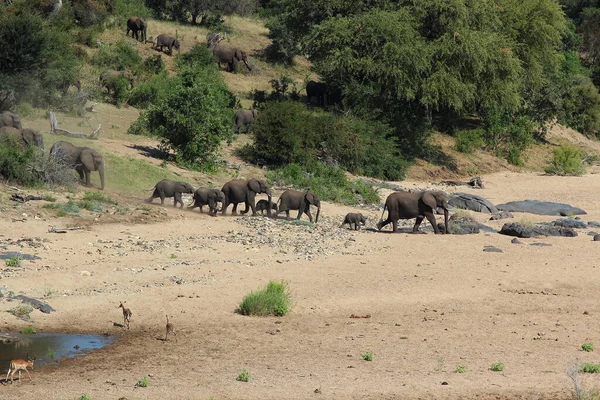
point(118, 89)
point(118, 56)
point(367, 356)
point(508, 135)
point(590, 368)
point(14, 262)
point(272, 300)
point(588, 347)
point(581, 107)
point(244, 376)
point(17, 165)
point(154, 64)
point(286, 132)
point(468, 140)
point(499, 366)
point(329, 183)
point(566, 160)
point(28, 330)
point(144, 94)
point(195, 114)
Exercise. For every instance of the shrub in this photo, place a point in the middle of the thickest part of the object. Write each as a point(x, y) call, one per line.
point(566, 160)
point(14, 262)
point(590, 368)
point(286, 132)
point(272, 300)
point(499, 366)
point(469, 140)
point(118, 56)
point(142, 382)
point(329, 183)
point(144, 94)
point(367, 356)
point(195, 114)
point(118, 89)
point(460, 369)
point(589, 347)
point(244, 376)
point(22, 311)
point(17, 165)
point(28, 330)
point(508, 135)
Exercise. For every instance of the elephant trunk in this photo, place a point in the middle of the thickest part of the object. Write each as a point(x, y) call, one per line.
point(269, 194)
point(247, 65)
point(101, 172)
point(445, 206)
point(318, 212)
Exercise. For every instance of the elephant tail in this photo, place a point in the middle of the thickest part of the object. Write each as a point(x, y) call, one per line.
point(383, 212)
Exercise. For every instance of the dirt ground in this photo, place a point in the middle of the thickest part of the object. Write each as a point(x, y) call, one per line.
point(435, 302)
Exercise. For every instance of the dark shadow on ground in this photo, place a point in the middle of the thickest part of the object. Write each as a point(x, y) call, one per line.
point(152, 152)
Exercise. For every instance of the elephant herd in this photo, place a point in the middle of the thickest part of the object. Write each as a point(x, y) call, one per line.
point(400, 205)
point(82, 159)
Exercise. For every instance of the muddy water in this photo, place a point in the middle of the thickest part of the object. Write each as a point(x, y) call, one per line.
point(48, 348)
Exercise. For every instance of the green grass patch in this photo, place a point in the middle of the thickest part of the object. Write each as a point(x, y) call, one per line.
point(51, 353)
point(49, 198)
point(368, 356)
point(589, 347)
point(100, 197)
point(244, 376)
point(22, 311)
point(84, 397)
point(129, 175)
point(329, 183)
point(272, 300)
point(469, 140)
point(460, 369)
point(142, 382)
point(499, 366)
point(590, 368)
point(28, 330)
point(14, 262)
point(566, 160)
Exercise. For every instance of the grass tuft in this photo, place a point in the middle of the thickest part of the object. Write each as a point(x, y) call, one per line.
point(460, 369)
point(589, 347)
point(590, 368)
point(244, 376)
point(272, 300)
point(368, 356)
point(22, 311)
point(14, 262)
point(142, 382)
point(28, 330)
point(499, 366)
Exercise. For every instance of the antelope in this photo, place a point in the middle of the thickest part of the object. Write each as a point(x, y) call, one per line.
point(126, 315)
point(19, 365)
point(170, 328)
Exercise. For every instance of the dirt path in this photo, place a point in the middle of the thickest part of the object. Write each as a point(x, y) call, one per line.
point(435, 302)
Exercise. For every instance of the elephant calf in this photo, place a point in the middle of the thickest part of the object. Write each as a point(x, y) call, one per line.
point(209, 197)
point(23, 137)
point(164, 40)
point(263, 205)
point(301, 201)
point(354, 218)
point(167, 188)
point(82, 159)
point(245, 118)
point(9, 119)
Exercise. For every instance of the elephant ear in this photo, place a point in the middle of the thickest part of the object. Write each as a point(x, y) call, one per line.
point(430, 201)
point(238, 54)
point(254, 185)
point(88, 159)
point(310, 197)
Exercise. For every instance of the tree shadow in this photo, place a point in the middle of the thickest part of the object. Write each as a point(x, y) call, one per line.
point(436, 156)
point(149, 151)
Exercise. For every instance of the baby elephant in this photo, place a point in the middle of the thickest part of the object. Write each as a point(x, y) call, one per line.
point(168, 188)
point(210, 197)
point(263, 205)
point(354, 218)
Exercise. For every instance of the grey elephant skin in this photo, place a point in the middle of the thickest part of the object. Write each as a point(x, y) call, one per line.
point(10, 119)
point(106, 75)
point(245, 118)
point(83, 159)
point(207, 197)
point(164, 40)
point(227, 55)
point(136, 26)
point(356, 219)
point(23, 137)
point(263, 205)
point(301, 201)
point(419, 205)
point(241, 191)
point(168, 188)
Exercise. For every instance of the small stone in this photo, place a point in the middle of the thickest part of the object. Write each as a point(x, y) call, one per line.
point(85, 273)
point(444, 383)
point(492, 249)
point(596, 238)
point(540, 244)
point(516, 241)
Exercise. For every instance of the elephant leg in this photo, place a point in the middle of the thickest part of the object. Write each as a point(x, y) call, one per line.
point(177, 199)
point(287, 214)
point(224, 207)
point(247, 204)
point(87, 177)
point(431, 219)
point(417, 223)
point(80, 172)
point(162, 199)
point(307, 212)
point(234, 210)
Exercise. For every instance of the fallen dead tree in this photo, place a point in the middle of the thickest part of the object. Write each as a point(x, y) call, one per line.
point(22, 199)
point(64, 230)
point(55, 130)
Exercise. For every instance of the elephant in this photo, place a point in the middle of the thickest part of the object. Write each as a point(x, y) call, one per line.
point(227, 55)
point(169, 188)
point(301, 201)
point(241, 191)
point(9, 119)
point(210, 197)
point(354, 218)
point(245, 118)
point(405, 205)
point(263, 205)
point(83, 159)
point(136, 25)
point(23, 137)
point(168, 41)
point(323, 95)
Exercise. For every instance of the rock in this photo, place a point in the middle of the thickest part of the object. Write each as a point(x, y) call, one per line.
point(570, 223)
point(594, 224)
point(471, 202)
point(596, 238)
point(492, 249)
point(501, 215)
point(539, 244)
point(85, 273)
point(43, 307)
point(518, 230)
point(540, 208)
point(592, 233)
point(516, 241)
